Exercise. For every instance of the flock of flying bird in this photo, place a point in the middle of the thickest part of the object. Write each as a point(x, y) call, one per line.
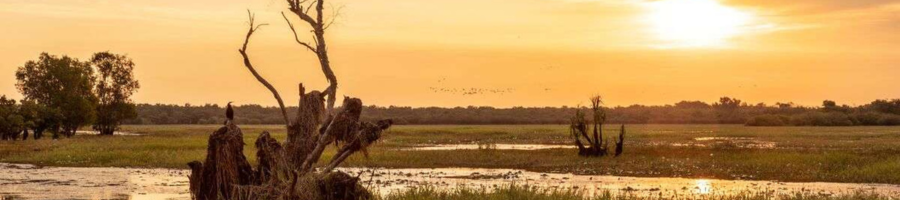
point(471, 91)
point(480, 91)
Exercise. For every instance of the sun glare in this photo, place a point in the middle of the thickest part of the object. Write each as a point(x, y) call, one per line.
point(696, 23)
point(703, 186)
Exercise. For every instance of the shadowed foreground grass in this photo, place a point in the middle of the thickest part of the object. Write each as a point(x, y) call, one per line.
point(801, 154)
point(514, 192)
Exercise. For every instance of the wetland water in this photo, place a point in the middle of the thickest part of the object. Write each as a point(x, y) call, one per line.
point(21, 181)
point(114, 133)
point(449, 147)
point(735, 142)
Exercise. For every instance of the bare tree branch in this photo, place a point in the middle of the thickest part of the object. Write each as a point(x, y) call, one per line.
point(298, 10)
point(338, 158)
point(314, 39)
point(292, 4)
point(249, 65)
point(340, 125)
point(323, 141)
point(334, 16)
point(321, 50)
point(309, 7)
point(313, 49)
point(319, 7)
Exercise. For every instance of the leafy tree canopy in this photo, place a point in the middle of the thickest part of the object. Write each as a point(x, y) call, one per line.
point(62, 83)
point(115, 85)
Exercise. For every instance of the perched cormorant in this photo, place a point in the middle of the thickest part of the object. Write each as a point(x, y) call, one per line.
point(229, 112)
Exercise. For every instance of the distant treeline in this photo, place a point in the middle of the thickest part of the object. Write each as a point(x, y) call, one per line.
point(726, 111)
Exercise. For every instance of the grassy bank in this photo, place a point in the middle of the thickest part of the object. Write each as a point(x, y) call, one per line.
point(831, 154)
point(531, 193)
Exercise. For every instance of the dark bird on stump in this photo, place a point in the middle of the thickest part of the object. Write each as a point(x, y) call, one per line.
point(229, 113)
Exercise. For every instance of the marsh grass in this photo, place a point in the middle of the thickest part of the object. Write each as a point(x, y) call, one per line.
point(522, 192)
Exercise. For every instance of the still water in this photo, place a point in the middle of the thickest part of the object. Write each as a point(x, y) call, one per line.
point(20, 181)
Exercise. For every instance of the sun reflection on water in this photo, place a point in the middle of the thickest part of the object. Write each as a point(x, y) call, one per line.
point(703, 186)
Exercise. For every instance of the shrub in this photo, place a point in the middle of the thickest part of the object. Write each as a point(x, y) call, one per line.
point(769, 120)
point(867, 118)
point(822, 119)
point(889, 120)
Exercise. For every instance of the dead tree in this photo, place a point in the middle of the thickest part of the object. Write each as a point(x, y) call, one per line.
point(289, 170)
point(593, 146)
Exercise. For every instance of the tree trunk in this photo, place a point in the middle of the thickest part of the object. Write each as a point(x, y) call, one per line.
point(303, 131)
point(106, 130)
point(225, 166)
point(621, 142)
point(38, 133)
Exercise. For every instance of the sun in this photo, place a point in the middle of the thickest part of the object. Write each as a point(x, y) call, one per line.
point(696, 23)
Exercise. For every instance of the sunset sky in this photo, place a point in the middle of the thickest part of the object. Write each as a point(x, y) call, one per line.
point(522, 53)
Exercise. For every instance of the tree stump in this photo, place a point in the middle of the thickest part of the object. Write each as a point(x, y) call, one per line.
point(287, 171)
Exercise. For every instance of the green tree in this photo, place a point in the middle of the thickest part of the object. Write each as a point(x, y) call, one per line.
point(39, 118)
point(11, 123)
point(728, 103)
point(829, 104)
point(729, 110)
point(62, 84)
point(115, 85)
point(886, 106)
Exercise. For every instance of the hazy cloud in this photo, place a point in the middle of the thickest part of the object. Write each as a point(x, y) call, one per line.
point(803, 7)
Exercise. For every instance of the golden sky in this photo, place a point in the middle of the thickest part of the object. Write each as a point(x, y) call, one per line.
point(522, 53)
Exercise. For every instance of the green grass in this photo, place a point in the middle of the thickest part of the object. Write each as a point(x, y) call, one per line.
point(514, 192)
point(831, 154)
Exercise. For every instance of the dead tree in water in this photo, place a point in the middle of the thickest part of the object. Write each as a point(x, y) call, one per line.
point(288, 170)
point(593, 146)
